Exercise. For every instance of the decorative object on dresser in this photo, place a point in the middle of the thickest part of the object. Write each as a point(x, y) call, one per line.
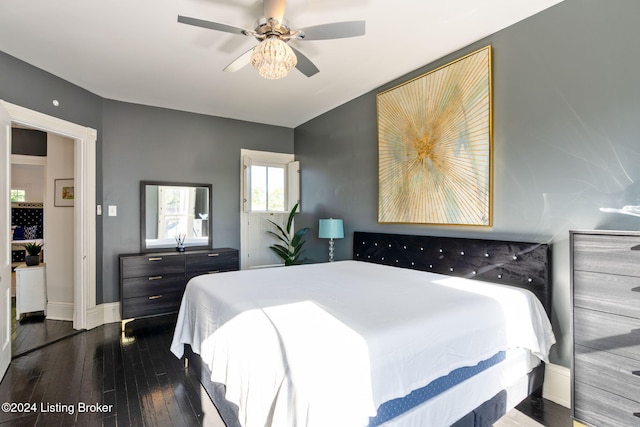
point(330, 229)
point(33, 249)
point(152, 284)
point(605, 287)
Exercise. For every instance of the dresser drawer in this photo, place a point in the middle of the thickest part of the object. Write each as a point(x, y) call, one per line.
point(152, 285)
point(213, 261)
point(608, 371)
point(616, 334)
point(606, 254)
point(162, 303)
point(600, 408)
point(152, 265)
point(607, 292)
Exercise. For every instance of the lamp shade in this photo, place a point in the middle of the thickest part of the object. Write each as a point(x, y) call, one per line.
point(330, 229)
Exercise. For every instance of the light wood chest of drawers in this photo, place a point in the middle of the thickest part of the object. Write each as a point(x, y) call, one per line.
point(605, 278)
point(152, 284)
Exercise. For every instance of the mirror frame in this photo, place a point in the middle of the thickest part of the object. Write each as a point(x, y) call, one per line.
point(143, 216)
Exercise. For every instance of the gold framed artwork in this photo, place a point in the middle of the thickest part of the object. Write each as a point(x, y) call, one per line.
point(435, 146)
point(64, 192)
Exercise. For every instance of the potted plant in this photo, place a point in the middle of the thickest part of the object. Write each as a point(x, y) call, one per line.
point(33, 249)
point(291, 249)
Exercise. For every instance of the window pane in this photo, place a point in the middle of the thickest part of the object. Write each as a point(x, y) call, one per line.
point(18, 195)
point(276, 188)
point(258, 188)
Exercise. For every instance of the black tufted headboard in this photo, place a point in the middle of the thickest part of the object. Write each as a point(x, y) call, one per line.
point(521, 264)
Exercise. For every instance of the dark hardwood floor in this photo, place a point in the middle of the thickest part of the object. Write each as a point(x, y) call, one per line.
point(132, 380)
point(34, 331)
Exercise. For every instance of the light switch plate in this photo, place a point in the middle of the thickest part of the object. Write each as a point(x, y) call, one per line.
point(113, 210)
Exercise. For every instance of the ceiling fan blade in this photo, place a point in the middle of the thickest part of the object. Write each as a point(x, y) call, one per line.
point(336, 30)
point(240, 62)
point(274, 9)
point(211, 25)
point(304, 65)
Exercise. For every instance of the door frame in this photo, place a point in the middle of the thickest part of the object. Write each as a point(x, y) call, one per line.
point(84, 276)
point(292, 185)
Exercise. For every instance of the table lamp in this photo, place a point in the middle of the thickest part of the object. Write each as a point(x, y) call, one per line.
point(330, 229)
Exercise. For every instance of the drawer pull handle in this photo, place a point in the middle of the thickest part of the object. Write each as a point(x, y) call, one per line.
point(213, 272)
point(213, 254)
point(155, 297)
point(637, 373)
point(636, 289)
point(158, 258)
point(155, 277)
point(636, 414)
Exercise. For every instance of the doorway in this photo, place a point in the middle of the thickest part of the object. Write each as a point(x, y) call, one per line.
point(38, 159)
point(270, 184)
point(85, 314)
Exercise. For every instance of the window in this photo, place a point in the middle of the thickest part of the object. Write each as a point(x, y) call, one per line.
point(18, 195)
point(267, 188)
point(270, 182)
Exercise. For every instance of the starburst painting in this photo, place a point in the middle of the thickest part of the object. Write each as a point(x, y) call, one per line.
point(434, 146)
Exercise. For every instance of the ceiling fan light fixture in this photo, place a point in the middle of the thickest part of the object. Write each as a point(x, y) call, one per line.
point(273, 58)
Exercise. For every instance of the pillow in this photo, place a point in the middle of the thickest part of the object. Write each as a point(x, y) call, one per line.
point(18, 233)
point(30, 232)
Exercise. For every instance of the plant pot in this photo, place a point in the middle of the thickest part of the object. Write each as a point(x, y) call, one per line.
point(32, 259)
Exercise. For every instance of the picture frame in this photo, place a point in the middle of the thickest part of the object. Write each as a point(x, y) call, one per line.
point(435, 146)
point(64, 192)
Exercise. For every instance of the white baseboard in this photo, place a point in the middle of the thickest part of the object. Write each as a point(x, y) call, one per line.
point(557, 384)
point(103, 314)
point(60, 310)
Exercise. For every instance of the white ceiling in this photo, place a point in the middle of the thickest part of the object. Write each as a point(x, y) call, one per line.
point(136, 51)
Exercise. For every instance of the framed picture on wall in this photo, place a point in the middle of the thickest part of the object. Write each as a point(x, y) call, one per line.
point(434, 146)
point(64, 195)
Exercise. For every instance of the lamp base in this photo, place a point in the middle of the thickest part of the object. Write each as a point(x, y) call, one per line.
point(331, 250)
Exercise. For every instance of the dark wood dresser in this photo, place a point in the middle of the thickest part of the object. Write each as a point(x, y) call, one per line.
point(152, 284)
point(605, 278)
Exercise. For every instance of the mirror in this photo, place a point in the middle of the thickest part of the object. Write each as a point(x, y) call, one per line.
point(172, 209)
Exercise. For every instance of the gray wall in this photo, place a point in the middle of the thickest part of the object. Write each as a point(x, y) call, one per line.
point(143, 143)
point(566, 140)
point(147, 143)
point(30, 87)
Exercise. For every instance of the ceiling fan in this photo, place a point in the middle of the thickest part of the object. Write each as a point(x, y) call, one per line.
point(273, 57)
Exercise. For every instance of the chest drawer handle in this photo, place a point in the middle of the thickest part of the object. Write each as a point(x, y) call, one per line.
point(155, 297)
point(636, 289)
point(636, 414)
point(213, 272)
point(159, 258)
point(155, 277)
point(637, 373)
point(213, 254)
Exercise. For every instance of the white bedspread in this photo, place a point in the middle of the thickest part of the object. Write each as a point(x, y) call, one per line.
point(326, 344)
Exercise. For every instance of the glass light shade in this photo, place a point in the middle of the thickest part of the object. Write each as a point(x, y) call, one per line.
point(273, 58)
point(331, 229)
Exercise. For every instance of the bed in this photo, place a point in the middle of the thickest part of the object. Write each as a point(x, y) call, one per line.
point(398, 336)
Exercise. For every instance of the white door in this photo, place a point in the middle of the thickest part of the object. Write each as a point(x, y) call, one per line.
point(254, 224)
point(5, 253)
